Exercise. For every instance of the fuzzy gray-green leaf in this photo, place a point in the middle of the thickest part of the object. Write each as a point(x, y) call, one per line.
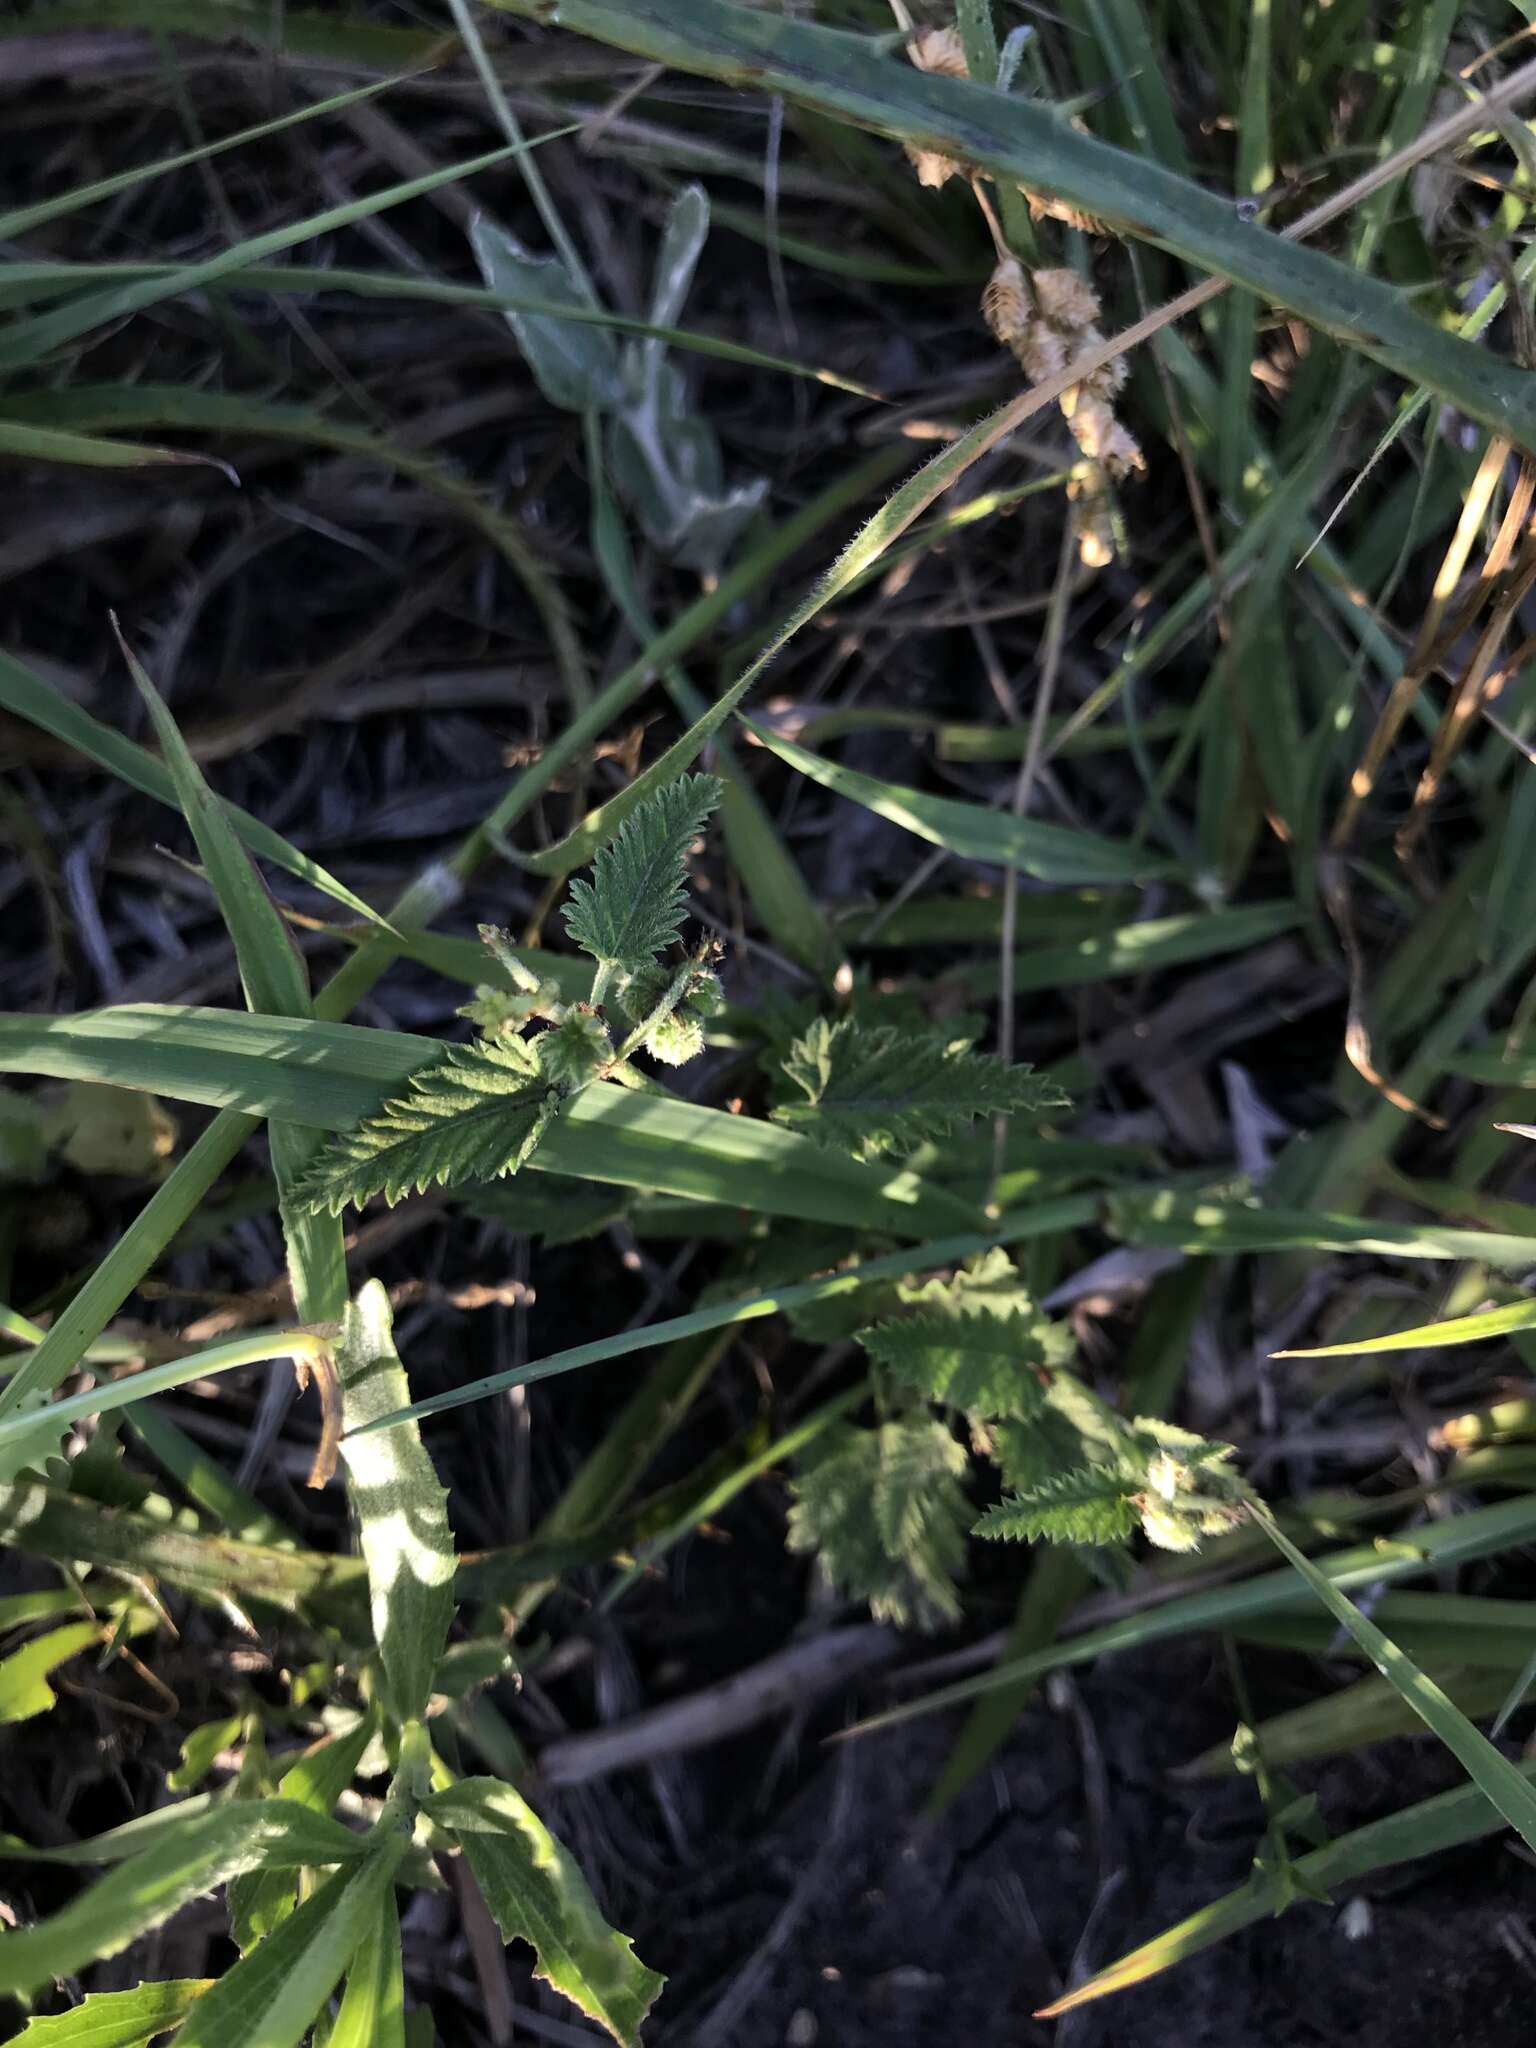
point(989, 1366)
point(401, 1508)
point(574, 364)
point(883, 1513)
point(1091, 1505)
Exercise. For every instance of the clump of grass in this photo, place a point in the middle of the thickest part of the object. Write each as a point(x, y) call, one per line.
point(844, 1110)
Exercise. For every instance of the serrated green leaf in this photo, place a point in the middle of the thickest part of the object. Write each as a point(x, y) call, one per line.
point(632, 909)
point(883, 1513)
point(538, 1895)
point(118, 2019)
point(401, 1508)
point(272, 1995)
point(872, 1089)
point(468, 1117)
point(24, 1687)
point(1090, 1505)
point(575, 365)
point(990, 1366)
point(182, 1863)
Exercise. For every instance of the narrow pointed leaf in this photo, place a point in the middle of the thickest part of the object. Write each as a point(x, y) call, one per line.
point(117, 2019)
point(1489, 1322)
point(272, 1995)
point(144, 1891)
point(372, 2011)
point(1050, 853)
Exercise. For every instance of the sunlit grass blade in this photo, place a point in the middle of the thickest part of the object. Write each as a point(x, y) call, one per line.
point(1050, 853)
point(184, 1862)
point(1370, 1710)
point(1491, 1322)
point(1489, 1769)
point(1201, 1225)
point(331, 1076)
point(25, 694)
point(1427, 1829)
point(1049, 1217)
point(1481, 1533)
point(276, 982)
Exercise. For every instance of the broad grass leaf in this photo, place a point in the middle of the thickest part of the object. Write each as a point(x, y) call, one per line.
point(401, 1508)
point(538, 1895)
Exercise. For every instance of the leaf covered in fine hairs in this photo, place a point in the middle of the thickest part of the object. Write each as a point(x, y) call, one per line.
point(883, 1513)
point(989, 1366)
point(877, 1089)
point(1091, 1505)
point(471, 1116)
point(632, 908)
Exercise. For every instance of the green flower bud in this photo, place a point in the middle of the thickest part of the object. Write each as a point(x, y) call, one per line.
point(571, 1051)
point(675, 1039)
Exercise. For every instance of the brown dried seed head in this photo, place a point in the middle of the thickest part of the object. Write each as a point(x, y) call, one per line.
point(933, 168)
point(1067, 300)
point(1005, 304)
point(1042, 352)
point(940, 51)
point(1041, 207)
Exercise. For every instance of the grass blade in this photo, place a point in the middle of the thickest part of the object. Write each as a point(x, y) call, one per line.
point(1495, 1776)
point(847, 77)
point(1427, 1829)
point(330, 1076)
point(1490, 1322)
point(26, 695)
point(1480, 1533)
point(276, 982)
point(1050, 853)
